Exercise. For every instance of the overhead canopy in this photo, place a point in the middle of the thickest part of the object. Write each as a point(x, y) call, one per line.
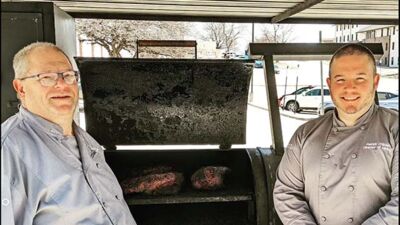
point(262, 11)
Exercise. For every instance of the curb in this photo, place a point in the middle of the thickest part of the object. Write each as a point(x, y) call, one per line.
point(283, 113)
point(295, 117)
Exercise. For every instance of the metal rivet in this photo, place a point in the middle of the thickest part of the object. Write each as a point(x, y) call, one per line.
point(323, 188)
point(354, 155)
point(350, 220)
point(323, 218)
point(351, 188)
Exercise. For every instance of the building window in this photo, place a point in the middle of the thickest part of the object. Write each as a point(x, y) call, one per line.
point(394, 30)
point(340, 39)
point(348, 37)
point(391, 61)
point(337, 27)
point(386, 46)
point(352, 37)
point(385, 61)
point(392, 45)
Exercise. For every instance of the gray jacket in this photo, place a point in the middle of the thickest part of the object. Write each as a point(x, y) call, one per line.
point(42, 182)
point(333, 174)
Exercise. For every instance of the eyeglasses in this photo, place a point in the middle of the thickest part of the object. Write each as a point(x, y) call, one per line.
point(50, 79)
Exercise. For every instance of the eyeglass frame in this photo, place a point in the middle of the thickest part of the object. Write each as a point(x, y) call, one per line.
point(59, 74)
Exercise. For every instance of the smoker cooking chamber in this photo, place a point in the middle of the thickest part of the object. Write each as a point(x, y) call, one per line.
point(174, 102)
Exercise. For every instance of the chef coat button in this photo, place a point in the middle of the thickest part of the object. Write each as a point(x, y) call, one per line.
point(104, 204)
point(351, 188)
point(97, 165)
point(116, 196)
point(350, 220)
point(5, 202)
point(323, 218)
point(354, 155)
point(323, 188)
point(326, 156)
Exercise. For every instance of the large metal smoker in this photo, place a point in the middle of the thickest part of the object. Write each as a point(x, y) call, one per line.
point(175, 102)
point(189, 101)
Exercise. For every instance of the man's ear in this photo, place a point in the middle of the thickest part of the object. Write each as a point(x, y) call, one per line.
point(19, 88)
point(376, 80)
point(328, 82)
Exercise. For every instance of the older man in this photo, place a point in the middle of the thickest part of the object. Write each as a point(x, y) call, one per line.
point(53, 172)
point(342, 168)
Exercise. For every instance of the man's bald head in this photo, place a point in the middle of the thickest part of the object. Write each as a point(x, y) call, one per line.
point(21, 59)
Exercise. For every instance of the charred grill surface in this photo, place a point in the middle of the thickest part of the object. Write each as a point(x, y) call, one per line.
point(165, 102)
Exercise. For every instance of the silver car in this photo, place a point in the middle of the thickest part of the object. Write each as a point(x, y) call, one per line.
point(391, 103)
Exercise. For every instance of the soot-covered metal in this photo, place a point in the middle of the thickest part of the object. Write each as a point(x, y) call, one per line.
point(151, 101)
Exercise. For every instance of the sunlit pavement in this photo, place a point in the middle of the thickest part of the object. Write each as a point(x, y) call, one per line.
point(258, 123)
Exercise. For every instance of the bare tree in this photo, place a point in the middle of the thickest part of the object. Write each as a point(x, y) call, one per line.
point(118, 35)
point(276, 33)
point(225, 35)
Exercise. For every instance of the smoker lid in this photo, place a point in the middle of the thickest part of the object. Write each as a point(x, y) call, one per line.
point(152, 101)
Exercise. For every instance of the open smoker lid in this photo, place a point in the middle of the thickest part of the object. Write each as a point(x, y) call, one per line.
point(152, 101)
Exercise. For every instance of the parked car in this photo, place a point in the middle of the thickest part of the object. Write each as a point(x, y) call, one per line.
point(386, 99)
point(383, 95)
point(306, 100)
point(258, 64)
point(298, 91)
point(391, 103)
point(328, 106)
point(242, 57)
point(229, 55)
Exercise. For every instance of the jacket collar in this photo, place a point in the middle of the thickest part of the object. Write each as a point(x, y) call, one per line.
point(47, 126)
point(362, 121)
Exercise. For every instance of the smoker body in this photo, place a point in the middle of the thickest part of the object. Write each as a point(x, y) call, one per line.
point(180, 102)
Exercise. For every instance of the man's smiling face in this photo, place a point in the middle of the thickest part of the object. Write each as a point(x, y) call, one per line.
point(48, 102)
point(352, 84)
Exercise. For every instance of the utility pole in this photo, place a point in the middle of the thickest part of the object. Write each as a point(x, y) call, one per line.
point(297, 81)
point(322, 79)
point(252, 77)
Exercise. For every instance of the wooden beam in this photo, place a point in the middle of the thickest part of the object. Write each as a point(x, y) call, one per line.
point(305, 48)
point(295, 9)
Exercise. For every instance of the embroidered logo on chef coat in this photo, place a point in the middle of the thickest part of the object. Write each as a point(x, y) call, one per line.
point(377, 146)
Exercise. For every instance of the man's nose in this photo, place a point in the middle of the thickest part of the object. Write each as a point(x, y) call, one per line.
point(349, 84)
point(60, 82)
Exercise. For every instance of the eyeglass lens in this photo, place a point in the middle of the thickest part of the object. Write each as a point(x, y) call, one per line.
point(50, 79)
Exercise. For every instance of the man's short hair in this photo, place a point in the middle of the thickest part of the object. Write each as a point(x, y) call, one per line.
point(21, 62)
point(353, 49)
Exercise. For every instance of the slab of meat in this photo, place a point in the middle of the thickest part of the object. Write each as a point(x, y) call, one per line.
point(153, 181)
point(210, 177)
point(151, 170)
